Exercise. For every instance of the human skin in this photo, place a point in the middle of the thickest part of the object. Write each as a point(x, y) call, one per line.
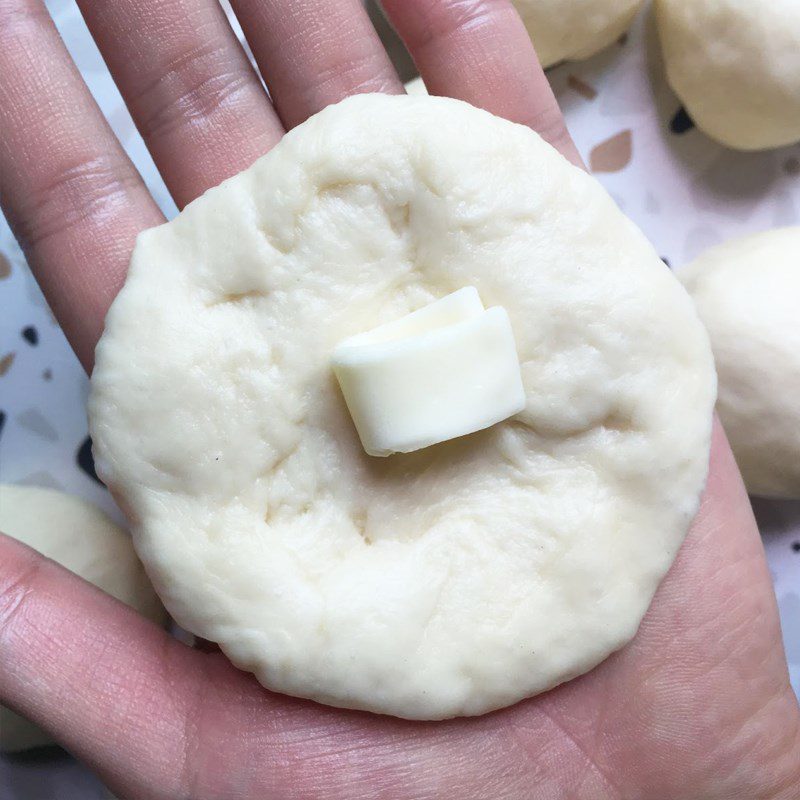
point(698, 705)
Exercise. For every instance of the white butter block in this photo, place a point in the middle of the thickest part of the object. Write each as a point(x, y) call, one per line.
point(446, 370)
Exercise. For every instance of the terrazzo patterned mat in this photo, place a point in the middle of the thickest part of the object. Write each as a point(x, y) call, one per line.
point(684, 191)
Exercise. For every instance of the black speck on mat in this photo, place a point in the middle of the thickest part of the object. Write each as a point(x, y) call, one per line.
point(30, 335)
point(85, 460)
point(681, 122)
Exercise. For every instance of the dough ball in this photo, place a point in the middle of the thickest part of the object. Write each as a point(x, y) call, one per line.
point(748, 295)
point(82, 538)
point(735, 64)
point(448, 581)
point(571, 30)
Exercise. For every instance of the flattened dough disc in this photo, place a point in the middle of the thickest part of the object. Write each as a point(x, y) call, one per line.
point(449, 581)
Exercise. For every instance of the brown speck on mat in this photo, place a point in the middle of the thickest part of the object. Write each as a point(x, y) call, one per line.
point(5, 362)
point(581, 87)
point(613, 154)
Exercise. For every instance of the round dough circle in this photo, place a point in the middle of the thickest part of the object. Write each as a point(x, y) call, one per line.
point(571, 30)
point(80, 537)
point(449, 581)
point(735, 64)
point(747, 293)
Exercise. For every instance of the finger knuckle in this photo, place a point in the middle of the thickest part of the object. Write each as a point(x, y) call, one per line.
point(191, 90)
point(458, 17)
point(18, 15)
point(74, 193)
point(17, 580)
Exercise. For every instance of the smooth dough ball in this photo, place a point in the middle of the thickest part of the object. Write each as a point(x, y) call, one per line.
point(748, 295)
point(735, 64)
point(456, 579)
point(82, 538)
point(571, 30)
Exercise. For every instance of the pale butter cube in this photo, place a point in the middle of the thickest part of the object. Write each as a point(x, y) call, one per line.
point(446, 370)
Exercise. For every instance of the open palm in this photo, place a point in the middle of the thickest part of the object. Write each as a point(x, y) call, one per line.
point(697, 706)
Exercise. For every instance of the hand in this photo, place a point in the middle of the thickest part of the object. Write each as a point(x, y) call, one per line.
point(697, 706)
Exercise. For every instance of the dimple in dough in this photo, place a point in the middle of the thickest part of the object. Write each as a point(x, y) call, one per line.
point(80, 537)
point(572, 30)
point(449, 581)
point(736, 66)
point(747, 293)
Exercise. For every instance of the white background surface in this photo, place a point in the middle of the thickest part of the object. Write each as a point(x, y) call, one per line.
point(683, 190)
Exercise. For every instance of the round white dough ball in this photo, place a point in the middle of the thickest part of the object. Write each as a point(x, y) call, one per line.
point(456, 579)
point(571, 30)
point(748, 295)
point(80, 537)
point(735, 64)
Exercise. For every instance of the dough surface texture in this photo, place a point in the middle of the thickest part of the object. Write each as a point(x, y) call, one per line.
point(747, 293)
point(735, 64)
point(572, 30)
point(449, 581)
point(83, 539)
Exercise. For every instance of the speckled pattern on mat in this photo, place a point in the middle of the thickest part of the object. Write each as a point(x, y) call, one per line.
point(684, 191)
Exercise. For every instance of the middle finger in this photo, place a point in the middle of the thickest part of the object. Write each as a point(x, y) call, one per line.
point(315, 52)
point(191, 90)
